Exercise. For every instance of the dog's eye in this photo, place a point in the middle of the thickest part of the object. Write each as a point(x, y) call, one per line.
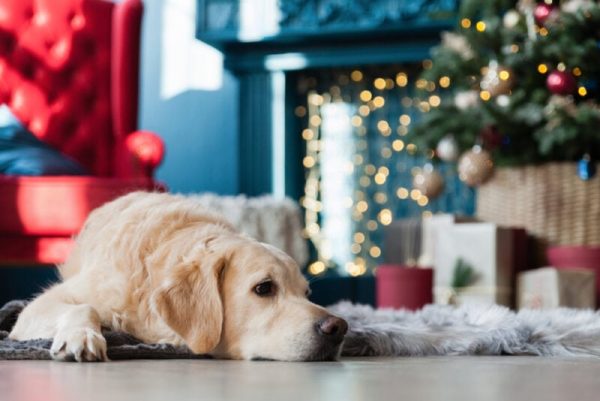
point(264, 289)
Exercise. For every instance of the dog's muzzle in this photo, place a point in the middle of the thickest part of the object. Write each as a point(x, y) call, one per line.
point(330, 335)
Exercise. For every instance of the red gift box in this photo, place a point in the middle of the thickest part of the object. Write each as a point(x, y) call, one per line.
point(401, 287)
point(566, 257)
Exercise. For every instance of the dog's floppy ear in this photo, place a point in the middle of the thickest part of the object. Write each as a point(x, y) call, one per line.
point(189, 301)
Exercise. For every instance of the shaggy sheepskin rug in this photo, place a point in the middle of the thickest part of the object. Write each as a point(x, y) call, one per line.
point(469, 330)
point(435, 330)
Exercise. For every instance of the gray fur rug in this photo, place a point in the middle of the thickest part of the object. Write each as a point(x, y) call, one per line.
point(469, 330)
point(435, 330)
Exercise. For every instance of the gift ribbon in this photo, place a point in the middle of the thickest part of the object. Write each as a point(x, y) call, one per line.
point(448, 295)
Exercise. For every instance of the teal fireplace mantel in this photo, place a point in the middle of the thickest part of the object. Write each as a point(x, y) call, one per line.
point(286, 35)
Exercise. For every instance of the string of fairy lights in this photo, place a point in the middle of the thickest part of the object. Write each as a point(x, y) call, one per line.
point(381, 166)
point(542, 68)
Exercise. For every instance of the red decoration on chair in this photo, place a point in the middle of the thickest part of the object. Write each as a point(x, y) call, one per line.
point(69, 72)
point(147, 147)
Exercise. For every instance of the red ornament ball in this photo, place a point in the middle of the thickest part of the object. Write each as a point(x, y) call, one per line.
point(561, 82)
point(543, 11)
point(492, 139)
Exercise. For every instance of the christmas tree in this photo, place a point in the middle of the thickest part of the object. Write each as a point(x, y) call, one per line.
point(520, 80)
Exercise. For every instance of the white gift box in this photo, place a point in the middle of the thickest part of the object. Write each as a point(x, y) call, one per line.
point(429, 231)
point(549, 287)
point(488, 248)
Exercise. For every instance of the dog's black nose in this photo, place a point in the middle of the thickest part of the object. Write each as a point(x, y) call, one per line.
point(332, 327)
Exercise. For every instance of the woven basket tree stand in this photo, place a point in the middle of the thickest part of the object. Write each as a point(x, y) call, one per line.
point(548, 200)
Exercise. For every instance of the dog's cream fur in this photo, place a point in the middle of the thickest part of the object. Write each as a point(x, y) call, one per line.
point(160, 268)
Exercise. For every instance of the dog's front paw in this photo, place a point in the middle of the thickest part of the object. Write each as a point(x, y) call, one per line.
point(81, 344)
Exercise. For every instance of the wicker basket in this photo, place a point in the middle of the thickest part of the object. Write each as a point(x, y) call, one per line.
point(550, 201)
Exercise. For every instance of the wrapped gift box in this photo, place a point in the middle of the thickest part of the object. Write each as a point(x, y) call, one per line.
point(401, 287)
point(429, 233)
point(568, 257)
point(489, 249)
point(402, 242)
point(549, 287)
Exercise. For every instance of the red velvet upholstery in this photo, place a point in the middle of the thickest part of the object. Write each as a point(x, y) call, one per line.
point(69, 72)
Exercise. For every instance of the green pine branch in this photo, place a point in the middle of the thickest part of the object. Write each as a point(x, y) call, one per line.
point(536, 125)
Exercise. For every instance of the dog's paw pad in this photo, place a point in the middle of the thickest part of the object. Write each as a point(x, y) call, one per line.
point(81, 345)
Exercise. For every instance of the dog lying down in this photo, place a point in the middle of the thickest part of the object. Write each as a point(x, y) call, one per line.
point(158, 267)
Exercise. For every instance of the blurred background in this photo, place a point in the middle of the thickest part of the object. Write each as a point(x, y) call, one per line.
point(404, 152)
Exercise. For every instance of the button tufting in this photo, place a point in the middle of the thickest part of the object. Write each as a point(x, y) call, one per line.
point(22, 61)
point(56, 58)
point(84, 80)
point(28, 13)
point(48, 43)
point(46, 80)
point(88, 102)
point(69, 127)
point(25, 63)
point(88, 46)
point(51, 95)
point(7, 44)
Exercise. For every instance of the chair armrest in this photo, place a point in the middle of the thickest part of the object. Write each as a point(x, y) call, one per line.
point(147, 149)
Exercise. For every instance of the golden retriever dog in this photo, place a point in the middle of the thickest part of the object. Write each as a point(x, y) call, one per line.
point(160, 268)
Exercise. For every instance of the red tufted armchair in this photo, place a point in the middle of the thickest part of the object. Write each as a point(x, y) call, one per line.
point(69, 72)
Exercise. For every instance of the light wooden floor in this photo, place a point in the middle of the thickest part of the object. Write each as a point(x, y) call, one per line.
point(456, 378)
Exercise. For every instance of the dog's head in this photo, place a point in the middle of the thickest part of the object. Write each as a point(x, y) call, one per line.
point(233, 297)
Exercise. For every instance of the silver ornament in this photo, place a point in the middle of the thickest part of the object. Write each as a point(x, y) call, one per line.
point(511, 19)
point(447, 149)
point(466, 99)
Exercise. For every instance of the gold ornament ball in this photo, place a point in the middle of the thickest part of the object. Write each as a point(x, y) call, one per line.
point(429, 182)
point(498, 80)
point(475, 167)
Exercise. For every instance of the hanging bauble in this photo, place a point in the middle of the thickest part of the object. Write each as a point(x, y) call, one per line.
point(466, 99)
point(511, 19)
point(447, 149)
point(586, 168)
point(574, 6)
point(475, 167)
point(544, 12)
point(497, 80)
point(491, 137)
point(503, 100)
point(561, 82)
point(429, 181)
